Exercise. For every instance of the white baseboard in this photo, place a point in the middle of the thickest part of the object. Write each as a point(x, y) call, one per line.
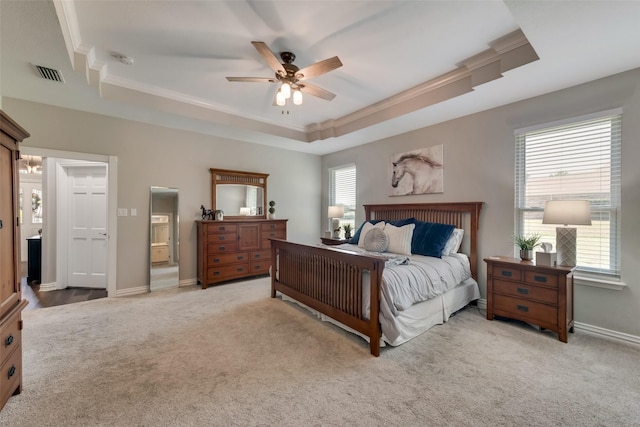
point(132, 291)
point(595, 330)
point(188, 282)
point(607, 333)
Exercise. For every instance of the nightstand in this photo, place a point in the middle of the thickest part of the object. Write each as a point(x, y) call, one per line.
point(330, 241)
point(536, 294)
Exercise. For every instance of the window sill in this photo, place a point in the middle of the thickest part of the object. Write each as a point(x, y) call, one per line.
point(612, 284)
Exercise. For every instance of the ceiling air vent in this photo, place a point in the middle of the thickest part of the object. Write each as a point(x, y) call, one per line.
point(49, 73)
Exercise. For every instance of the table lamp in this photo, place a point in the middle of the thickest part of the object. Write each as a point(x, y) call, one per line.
point(336, 212)
point(566, 212)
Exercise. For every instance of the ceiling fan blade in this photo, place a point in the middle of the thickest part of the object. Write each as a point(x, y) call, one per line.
point(252, 79)
point(270, 57)
point(316, 91)
point(318, 68)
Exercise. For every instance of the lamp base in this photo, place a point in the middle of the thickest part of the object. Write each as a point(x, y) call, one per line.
point(566, 246)
point(336, 228)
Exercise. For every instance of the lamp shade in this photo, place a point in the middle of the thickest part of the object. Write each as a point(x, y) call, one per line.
point(335, 212)
point(244, 211)
point(567, 212)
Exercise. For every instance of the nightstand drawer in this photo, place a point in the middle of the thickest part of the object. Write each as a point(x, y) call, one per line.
point(541, 279)
point(521, 290)
point(507, 272)
point(516, 308)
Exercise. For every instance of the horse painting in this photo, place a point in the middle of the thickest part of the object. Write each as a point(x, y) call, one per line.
point(425, 175)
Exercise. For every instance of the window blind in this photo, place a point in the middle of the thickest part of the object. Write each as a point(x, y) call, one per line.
point(342, 191)
point(579, 160)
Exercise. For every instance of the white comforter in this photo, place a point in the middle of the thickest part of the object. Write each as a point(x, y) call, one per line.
point(409, 280)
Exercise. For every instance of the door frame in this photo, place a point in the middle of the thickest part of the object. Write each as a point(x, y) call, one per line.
point(50, 263)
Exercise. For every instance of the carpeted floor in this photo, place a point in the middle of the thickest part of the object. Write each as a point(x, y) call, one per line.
point(230, 355)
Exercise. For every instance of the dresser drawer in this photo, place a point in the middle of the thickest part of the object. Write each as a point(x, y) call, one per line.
point(541, 279)
point(278, 234)
point(270, 226)
point(217, 274)
point(260, 267)
point(222, 237)
point(222, 247)
point(221, 228)
point(507, 273)
point(261, 255)
point(11, 336)
point(522, 290)
point(10, 374)
point(227, 258)
point(529, 311)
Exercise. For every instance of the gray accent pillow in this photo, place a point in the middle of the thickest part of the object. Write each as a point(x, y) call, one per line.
point(376, 240)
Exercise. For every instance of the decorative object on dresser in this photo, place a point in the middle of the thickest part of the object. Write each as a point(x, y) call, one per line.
point(206, 213)
point(233, 249)
point(566, 212)
point(540, 295)
point(527, 244)
point(335, 213)
point(352, 288)
point(272, 210)
point(11, 302)
point(347, 231)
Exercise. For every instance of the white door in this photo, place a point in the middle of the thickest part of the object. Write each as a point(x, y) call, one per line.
point(87, 225)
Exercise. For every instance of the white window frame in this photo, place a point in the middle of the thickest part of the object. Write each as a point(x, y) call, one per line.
point(610, 210)
point(343, 194)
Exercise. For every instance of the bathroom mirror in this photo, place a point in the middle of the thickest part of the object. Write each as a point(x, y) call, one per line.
point(239, 194)
point(164, 242)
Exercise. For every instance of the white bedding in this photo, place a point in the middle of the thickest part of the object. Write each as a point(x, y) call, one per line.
point(418, 292)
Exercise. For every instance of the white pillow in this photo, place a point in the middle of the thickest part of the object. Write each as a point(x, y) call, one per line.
point(365, 229)
point(453, 244)
point(376, 240)
point(399, 238)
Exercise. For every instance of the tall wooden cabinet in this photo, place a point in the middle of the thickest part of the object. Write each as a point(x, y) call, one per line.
point(236, 248)
point(11, 303)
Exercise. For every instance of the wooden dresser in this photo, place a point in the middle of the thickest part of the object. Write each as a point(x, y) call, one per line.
point(11, 302)
point(539, 295)
point(236, 248)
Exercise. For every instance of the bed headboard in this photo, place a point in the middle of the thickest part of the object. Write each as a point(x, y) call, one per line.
point(465, 215)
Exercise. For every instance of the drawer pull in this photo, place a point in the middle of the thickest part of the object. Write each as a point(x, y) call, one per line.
point(541, 279)
point(222, 248)
point(524, 291)
point(240, 257)
point(221, 228)
point(506, 273)
point(216, 260)
point(273, 234)
point(240, 269)
point(523, 308)
point(272, 226)
point(221, 237)
point(257, 255)
point(11, 372)
point(258, 267)
point(216, 273)
point(8, 341)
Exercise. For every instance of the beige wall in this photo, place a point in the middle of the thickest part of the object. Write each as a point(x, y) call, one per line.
point(479, 166)
point(154, 156)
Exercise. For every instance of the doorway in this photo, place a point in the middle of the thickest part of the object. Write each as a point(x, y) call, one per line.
point(63, 173)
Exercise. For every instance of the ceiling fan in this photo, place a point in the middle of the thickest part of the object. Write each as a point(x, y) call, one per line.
point(293, 79)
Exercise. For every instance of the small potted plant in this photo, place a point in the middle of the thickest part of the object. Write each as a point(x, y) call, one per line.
point(347, 231)
point(527, 244)
point(272, 210)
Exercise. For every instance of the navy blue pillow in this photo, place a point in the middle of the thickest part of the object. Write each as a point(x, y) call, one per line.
point(430, 238)
point(356, 237)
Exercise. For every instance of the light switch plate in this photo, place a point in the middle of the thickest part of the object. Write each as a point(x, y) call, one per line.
point(122, 212)
point(134, 212)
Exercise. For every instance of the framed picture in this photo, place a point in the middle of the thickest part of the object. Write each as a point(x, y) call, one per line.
point(417, 172)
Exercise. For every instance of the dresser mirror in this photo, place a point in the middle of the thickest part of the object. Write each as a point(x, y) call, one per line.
point(239, 194)
point(164, 241)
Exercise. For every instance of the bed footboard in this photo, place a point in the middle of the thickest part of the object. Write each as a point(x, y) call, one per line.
point(330, 281)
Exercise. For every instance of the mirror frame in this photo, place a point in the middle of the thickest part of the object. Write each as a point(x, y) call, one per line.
point(226, 176)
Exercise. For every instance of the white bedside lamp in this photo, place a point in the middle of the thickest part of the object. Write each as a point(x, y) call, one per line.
point(566, 212)
point(335, 212)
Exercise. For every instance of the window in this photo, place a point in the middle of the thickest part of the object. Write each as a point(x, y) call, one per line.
point(342, 191)
point(575, 160)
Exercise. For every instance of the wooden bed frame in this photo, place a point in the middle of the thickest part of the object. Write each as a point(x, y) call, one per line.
point(329, 280)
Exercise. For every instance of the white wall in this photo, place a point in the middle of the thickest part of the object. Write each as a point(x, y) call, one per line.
point(479, 154)
point(154, 156)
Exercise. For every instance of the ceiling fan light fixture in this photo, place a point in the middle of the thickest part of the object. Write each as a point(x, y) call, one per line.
point(286, 90)
point(297, 97)
point(280, 99)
